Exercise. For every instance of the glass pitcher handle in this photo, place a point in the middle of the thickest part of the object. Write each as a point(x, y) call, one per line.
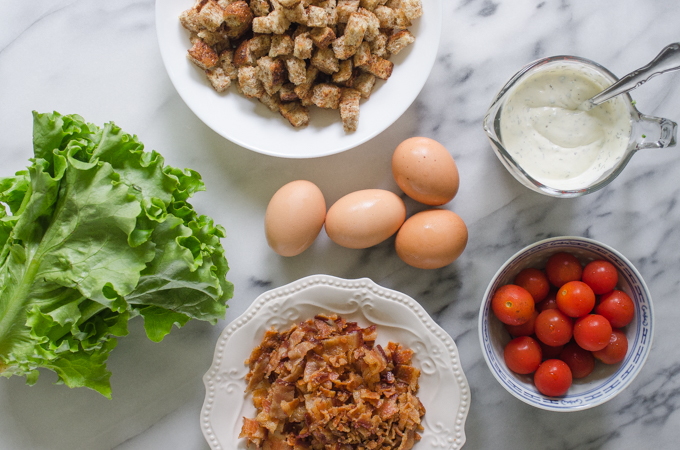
point(666, 61)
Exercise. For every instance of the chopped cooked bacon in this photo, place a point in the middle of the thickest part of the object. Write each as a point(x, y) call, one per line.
point(323, 385)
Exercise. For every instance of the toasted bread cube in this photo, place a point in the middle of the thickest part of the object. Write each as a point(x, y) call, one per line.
point(217, 38)
point(362, 56)
point(303, 46)
point(345, 9)
point(282, 45)
point(300, 29)
point(243, 56)
point(202, 55)
point(355, 29)
point(371, 4)
point(273, 23)
point(326, 95)
point(210, 15)
point(324, 59)
point(260, 8)
point(297, 114)
point(190, 20)
point(316, 17)
point(260, 45)
point(372, 24)
point(380, 67)
point(349, 109)
point(225, 3)
point(249, 83)
point(218, 78)
point(399, 40)
point(297, 70)
point(271, 101)
point(379, 45)
point(296, 14)
point(412, 8)
point(401, 21)
point(289, 3)
point(393, 4)
point(331, 11)
point(226, 62)
point(238, 18)
point(342, 50)
point(272, 73)
point(322, 37)
point(305, 88)
point(345, 72)
point(364, 83)
point(287, 92)
point(386, 16)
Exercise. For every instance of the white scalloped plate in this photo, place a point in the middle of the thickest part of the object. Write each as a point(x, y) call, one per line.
point(444, 390)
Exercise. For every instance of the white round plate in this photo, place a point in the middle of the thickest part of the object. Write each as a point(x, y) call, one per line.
point(444, 390)
point(250, 124)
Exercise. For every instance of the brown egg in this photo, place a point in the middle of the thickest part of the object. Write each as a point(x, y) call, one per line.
point(294, 217)
point(431, 239)
point(425, 171)
point(365, 218)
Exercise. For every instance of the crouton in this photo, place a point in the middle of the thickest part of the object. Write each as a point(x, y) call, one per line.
point(326, 95)
point(303, 89)
point(190, 20)
point(289, 3)
point(297, 70)
point(202, 55)
point(345, 71)
point(349, 109)
point(371, 4)
point(238, 18)
point(324, 59)
point(322, 37)
point(372, 24)
point(345, 9)
point(355, 29)
point(380, 67)
point(273, 23)
point(364, 83)
point(296, 14)
point(272, 73)
point(412, 8)
point(260, 45)
point(379, 45)
point(316, 17)
point(226, 62)
point(401, 21)
point(271, 101)
point(342, 50)
point(210, 15)
point(399, 40)
point(331, 11)
point(297, 115)
point(218, 78)
point(281, 45)
point(362, 55)
point(243, 56)
point(287, 92)
point(385, 16)
point(249, 83)
point(303, 46)
point(260, 8)
point(225, 3)
point(393, 4)
point(217, 39)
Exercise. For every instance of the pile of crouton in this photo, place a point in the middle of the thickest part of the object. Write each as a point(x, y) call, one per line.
point(292, 54)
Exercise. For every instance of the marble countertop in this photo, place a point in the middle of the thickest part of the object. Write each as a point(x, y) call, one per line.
point(101, 60)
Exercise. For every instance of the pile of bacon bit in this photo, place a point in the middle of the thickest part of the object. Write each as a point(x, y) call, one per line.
point(325, 384)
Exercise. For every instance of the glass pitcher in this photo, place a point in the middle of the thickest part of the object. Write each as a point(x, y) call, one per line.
point(646, 131)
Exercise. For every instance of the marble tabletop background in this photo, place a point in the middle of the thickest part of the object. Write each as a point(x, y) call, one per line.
point(101, 60)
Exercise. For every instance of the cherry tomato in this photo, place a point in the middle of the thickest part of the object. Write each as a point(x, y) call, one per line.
point(534, 281)
point(616, 349)
point(549, 351)
point(525, 329)
point(553, 327)
point(617, 307)
point(562, 268)
point(580, 361)
point(601, 276)
point(550, 301)
point(553, 378)
point(591, 332)
point(512, 304)
point(575, 299)
point(522, 355)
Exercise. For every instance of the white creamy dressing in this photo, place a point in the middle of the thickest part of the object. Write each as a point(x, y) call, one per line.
point(554, 142)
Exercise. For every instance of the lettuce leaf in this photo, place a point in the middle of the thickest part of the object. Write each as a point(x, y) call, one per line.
point(95, 232)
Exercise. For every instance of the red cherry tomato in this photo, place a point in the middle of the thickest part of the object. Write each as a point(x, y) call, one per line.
point(525, 329)
point(534, 281)
point(591, 332)
point(522, 355)
point(553, 378)
point(512, 304)
point(553, 327)
point(616, 349)
point(580, 361)
point(617, 307)
point(550, 301)
point(575, 299)
point(549, 351)
point(562, 268)
point(601, 276)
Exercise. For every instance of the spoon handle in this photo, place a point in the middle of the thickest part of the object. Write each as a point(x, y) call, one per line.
point(666, 61)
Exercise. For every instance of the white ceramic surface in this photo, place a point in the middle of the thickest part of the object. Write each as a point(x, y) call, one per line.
point(606, 381)
point(249, 123)
point(444, 390)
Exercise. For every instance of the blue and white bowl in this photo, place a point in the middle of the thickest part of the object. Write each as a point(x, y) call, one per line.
point(606, 381)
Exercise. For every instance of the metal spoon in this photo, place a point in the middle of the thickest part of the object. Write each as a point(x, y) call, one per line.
point(666, 61)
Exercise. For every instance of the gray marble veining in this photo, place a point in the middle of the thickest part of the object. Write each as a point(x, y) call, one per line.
point(101, 60)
